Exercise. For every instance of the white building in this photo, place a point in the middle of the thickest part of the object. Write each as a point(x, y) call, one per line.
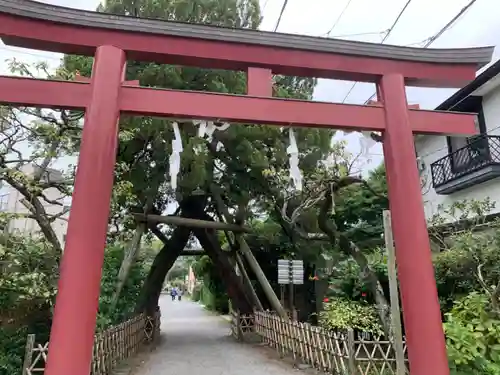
point(11, 202)
point(457, 168)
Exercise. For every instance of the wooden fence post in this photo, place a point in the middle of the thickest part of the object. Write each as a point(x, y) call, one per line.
point(393, 288)
point(28, 353)
point(351, 352)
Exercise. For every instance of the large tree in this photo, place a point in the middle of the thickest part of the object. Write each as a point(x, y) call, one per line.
point(234, 160)
point(31, 141)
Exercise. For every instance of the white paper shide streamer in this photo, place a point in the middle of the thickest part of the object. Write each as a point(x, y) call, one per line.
point(293, 151)
point(175, 157)
point(366, 142)
point(206, 131)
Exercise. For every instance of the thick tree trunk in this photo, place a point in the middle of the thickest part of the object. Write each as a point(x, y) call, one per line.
point(234, 286)
point(164, 260)
point(208, 239)
point(192, 207)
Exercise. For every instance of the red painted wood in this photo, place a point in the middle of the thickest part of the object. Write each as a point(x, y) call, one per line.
point(107, 95)
point(222, 55)
point(73, 326)
point(193, 104)
point(380, 104)
point(237, 108)
point(80, 78)
point(274, 111)
point(259, 82)
point(421, 309)
point(43, 93)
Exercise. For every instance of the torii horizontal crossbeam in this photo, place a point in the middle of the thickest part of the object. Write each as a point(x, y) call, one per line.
point(235, 108)
point(31, 24)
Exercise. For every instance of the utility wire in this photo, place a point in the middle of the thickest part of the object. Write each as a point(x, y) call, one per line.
point(338, 18)
point(23, 52)
point(357, 34)
point(264, 6)
point(387, 34)
point(281, 14)
point(433, 38)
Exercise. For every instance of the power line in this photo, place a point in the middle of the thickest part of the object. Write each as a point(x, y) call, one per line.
point(358, 34)
point(449, 24)
point(395, 22)
point(264, 6)
point(338, 18)
point(41, 56)
point(281, 14)
point(388, 33)
point(433, 38)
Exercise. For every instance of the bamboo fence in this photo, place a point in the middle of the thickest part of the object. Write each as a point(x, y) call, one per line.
point(241, 324)
point(111, 346)
point(342, 353)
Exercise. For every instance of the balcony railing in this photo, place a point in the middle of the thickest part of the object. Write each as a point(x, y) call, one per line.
point(480, 153)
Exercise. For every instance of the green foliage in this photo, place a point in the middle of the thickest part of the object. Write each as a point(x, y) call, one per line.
point(28, 281)
point(346, 279)
point(212, 292)
point(128, 297)
point(474, 210)
point(178, 271)
point(12, 350)
point(358, 210)
point(145, 143)
point(341, 314)
point(473, 336)
point(457, 268)
point(196, 295)
point(28, 278)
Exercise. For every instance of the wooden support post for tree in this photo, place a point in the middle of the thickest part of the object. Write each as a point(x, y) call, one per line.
point(393, 288)
point(189, 222)
point(261, 277)
point(248, 282)
point(128, 261)
point(252, 262)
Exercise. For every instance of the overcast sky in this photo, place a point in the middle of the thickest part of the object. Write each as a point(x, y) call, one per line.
point(422, 19)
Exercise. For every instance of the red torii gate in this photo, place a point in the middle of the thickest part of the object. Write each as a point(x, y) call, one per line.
point(113, 39)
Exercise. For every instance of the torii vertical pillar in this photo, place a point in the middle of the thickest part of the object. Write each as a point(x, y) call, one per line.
point(421, 310)
point(73, 326)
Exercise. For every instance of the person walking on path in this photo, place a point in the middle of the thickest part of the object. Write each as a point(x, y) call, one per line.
point(173, 293)
point(179, 294)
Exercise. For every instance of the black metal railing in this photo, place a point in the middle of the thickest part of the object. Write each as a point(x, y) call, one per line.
point(481, 151)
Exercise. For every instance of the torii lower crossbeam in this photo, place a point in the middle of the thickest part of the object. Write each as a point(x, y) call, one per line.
point(234, 108)
point(107, 95)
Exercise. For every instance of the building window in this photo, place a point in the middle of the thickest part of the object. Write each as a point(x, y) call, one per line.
point(463, 149)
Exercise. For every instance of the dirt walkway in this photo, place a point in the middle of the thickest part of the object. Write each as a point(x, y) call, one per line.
point(196, 342)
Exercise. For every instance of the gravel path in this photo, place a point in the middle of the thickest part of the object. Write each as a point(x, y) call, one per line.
point(195, 342)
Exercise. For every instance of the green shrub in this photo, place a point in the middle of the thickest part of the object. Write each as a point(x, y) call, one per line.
point(207, 298)
point(196, 295)
point(213, 291)
point(342, 314)
point(129, 295)
point(28, 286)
point(347, 282)
point(473, 336)
point(456, 268)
